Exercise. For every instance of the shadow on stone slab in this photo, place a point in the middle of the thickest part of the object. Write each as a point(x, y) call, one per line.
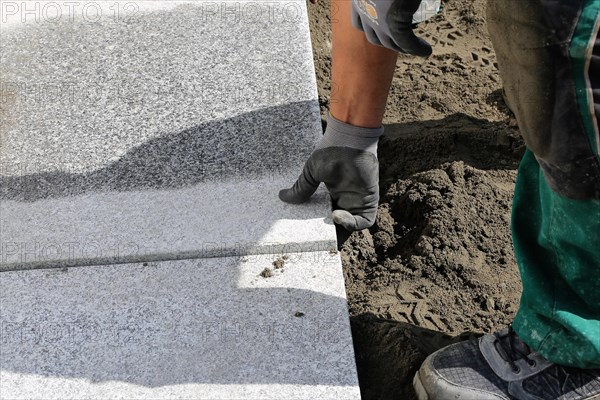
point(208, 191)
point(254, 145)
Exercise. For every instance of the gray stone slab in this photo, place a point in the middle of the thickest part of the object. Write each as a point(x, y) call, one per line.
point(208, 220)
point(153, 130)
point(193, 329)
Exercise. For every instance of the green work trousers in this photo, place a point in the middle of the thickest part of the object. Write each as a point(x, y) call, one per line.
point(549, 58)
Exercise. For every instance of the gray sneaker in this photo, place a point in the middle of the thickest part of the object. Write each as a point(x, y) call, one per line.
point(501, 367)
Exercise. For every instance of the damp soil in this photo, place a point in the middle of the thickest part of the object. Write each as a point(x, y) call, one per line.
point(438, 265)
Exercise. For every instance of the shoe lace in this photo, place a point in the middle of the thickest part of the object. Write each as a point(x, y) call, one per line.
point(555, 381)
point(511, 349)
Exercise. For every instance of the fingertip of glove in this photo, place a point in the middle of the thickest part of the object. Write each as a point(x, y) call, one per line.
point(287, 196)
point(418, 51)
point(345, 219)
point(351, 222)
point(413, 45)
point(422, 48)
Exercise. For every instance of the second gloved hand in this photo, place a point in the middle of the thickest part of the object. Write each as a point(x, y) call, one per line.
point(388, 23)
point(346, 161)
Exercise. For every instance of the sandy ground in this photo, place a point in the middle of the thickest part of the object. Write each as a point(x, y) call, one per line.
point(438, 265)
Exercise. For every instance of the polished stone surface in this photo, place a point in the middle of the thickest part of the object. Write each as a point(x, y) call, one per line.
point(208, 220)
point(154, 130)
point(189, 329)
point(141, 142)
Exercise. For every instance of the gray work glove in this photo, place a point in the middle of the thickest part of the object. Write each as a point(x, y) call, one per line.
point(346, 161)
point(388, 23)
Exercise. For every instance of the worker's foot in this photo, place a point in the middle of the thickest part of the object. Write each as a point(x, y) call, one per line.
point(501, 366)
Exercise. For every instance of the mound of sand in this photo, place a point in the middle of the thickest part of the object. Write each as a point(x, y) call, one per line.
point(438, 265)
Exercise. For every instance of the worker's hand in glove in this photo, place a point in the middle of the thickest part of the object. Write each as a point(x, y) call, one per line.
point(346, 161)
point(388, 23)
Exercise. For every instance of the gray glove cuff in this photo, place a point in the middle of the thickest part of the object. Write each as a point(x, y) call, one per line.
point(341, 134)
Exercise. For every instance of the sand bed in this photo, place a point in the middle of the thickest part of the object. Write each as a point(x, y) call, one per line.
point(438, 265)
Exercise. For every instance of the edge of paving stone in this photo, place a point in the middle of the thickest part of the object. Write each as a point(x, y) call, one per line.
point(230, 251)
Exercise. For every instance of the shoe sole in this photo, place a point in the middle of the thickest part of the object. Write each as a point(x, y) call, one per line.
point(423, 395)
point(421, 392)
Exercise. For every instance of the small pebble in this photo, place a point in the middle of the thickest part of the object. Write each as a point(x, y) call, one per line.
point(266, 273)
point(279, 263)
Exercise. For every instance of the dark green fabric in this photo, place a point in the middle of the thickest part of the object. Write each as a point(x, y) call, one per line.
point(583, 39)
point(557, 245)
point(544, 49)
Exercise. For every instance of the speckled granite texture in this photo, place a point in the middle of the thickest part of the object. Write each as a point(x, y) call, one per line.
point(142, 146)
point(189, 329)
point(154, 130)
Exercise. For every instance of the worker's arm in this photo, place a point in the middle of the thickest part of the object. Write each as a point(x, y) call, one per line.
point(346, 158)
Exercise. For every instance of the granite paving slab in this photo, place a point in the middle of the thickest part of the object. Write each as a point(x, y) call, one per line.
point(213, 328)
point(154, 130)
